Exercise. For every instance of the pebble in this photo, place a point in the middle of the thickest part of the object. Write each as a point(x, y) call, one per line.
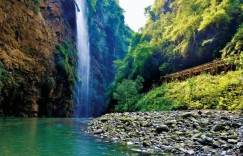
point(175, 132)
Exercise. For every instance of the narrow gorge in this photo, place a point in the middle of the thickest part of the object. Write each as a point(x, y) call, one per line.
point(45, 67)
point(80, 78)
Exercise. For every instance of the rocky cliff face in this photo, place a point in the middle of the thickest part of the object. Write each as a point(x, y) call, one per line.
point(38, 56)
point(30, 83)
point(109, 41)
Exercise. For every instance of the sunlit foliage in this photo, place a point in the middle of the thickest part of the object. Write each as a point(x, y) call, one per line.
point(233, 52)
point(221, 92)
point(180, 34)
point(127, 94)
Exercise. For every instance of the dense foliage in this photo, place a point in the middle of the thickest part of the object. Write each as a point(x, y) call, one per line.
point(66, 61)
point(127, 93)
point(221, 92)
point(181, 34)
point(233, 52)
point(214, 92)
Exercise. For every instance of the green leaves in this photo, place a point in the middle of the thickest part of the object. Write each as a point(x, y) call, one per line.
point(181, 34)
point(93, 4)
point(233, 52)
point(141, 55)
point(201, 92)
point(36, 6)
point(127, 94)
point(65, 57)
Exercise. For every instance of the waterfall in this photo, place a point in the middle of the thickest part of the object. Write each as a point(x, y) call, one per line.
point(83, 66)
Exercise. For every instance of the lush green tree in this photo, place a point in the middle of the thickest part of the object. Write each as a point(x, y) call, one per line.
point(233, 52)
point(202, 92)
point(127, 94)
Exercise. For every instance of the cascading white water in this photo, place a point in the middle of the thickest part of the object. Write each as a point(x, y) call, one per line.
point(83, 66)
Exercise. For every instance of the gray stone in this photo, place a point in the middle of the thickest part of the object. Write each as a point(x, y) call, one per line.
point(136, 150)
point(165, 142)
point(190, 151)
point(174, 137)
point(146, 143)
point(187, 151)
point(99, 131)
point(167, 148)
point(129, 143)
point(145, 124)
point(207, 149)
point(170, 122)
point(205, 121)
point(104, 119)
point(114, 140)
point(124, 119)
point(148, 151)
point(225, 146)
point(197, 135)
point(223, 153)
point(236, 125)
point(208, 113)
point(177, 146)
point(224, 135)
point(206, 139)
point(239, 145)
point(187, 115)
point(224, 118)
point(216, 144)
point(189, 143)
point(162, 128)
point(234, 136)
point(169, 132)
point(179, 133)
point(194, 120)
point(233, 141)
point(218, 127)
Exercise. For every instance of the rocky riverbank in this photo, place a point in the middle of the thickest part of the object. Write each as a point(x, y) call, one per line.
point(176, 133)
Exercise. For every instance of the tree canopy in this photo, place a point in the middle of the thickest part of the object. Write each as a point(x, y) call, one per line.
point(180, 34)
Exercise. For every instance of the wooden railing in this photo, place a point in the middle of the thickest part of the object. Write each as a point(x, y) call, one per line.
point(212, 67)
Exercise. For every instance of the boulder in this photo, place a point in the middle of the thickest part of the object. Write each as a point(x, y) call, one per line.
point(162, 128)
point(218, 127)
point(187, 115)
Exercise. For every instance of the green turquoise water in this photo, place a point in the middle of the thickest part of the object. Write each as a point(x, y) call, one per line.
point(52, 137)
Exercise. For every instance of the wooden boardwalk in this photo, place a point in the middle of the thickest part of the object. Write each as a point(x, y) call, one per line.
point(212, 68)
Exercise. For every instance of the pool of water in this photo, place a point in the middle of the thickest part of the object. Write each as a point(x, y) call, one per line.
point(53, 137)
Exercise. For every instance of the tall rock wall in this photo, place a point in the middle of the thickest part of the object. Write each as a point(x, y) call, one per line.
point(38, 55)
point(109, 41)
point(29, 81)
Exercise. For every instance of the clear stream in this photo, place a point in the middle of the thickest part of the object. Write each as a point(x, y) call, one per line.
point(53, 137)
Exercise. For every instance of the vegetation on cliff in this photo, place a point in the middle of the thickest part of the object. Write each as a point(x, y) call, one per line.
point(201, 92)
point(38, 56)
point(109, 41)
point(181, 34)
point(233, 52)
point(66, 61)
point(214, 92)
point(31, 82)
